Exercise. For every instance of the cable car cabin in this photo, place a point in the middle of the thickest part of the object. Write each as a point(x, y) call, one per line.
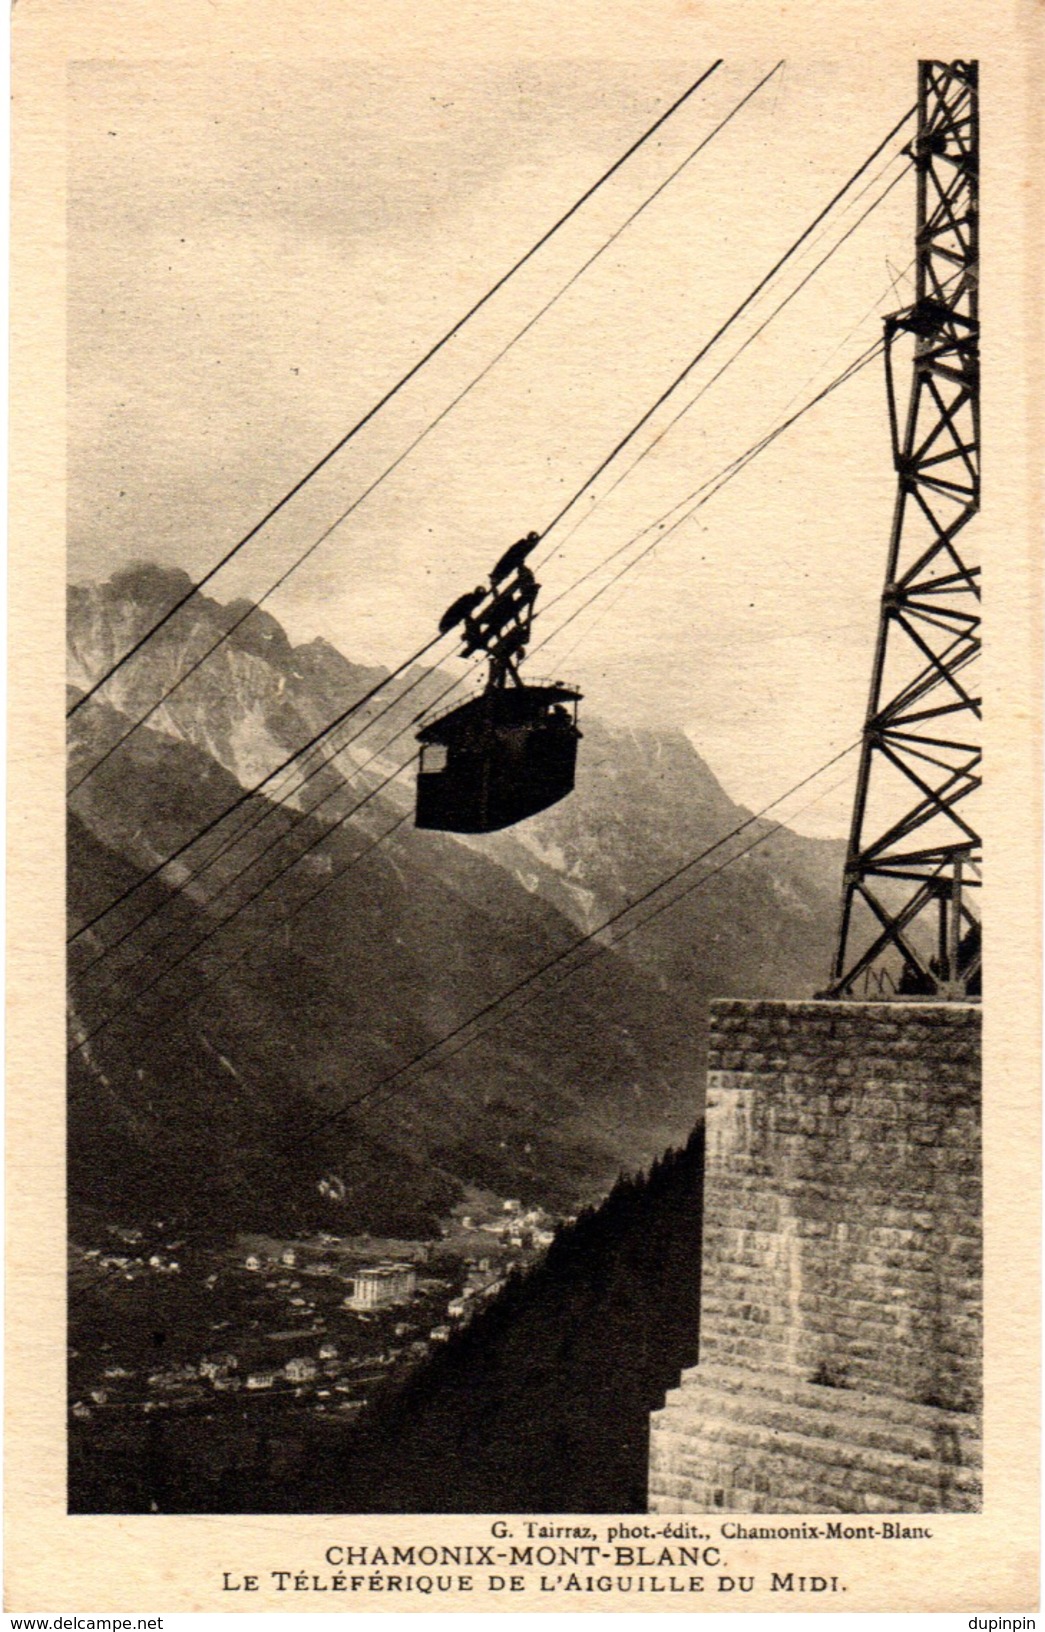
point(495, 760)
point(512, 751)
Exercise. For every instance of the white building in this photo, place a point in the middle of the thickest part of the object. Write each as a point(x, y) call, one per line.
point(381, 1286)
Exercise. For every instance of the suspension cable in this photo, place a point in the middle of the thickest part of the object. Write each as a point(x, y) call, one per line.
point(249, 793)
point(230, 629)
point(707, 489)
point(716, 483)
point(394, 390)
point(394, 1080)
point(159, 868)
point(646, 451)
point(723, 327)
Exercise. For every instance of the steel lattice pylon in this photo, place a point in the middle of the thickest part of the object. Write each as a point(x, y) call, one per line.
point(910, 920)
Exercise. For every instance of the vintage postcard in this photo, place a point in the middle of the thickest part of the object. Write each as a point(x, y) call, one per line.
point(525, 997)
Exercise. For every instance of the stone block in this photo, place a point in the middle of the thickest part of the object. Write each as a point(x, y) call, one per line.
point(841, 1241)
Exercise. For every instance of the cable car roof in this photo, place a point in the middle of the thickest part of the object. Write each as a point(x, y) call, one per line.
point(520, 701)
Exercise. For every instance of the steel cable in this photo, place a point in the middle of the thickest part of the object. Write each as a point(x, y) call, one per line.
point(725, 476)
point(384, 400)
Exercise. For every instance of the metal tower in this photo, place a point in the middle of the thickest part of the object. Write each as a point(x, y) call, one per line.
point(910, 917)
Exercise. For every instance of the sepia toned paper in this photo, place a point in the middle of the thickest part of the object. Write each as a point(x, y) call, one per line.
point(233, 229)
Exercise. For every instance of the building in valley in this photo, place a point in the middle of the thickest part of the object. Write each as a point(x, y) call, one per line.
point(382, 1285)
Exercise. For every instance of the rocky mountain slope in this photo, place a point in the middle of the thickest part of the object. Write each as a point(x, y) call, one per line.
point(200, 1085)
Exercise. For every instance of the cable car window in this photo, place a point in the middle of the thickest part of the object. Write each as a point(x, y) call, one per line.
point(433, 758)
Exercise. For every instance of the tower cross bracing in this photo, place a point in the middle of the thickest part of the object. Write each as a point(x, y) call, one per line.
point(910, 921)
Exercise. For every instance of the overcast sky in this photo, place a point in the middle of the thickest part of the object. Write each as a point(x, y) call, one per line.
point(256, 253)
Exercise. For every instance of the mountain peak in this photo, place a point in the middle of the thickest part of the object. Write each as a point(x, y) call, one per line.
point(150, 585)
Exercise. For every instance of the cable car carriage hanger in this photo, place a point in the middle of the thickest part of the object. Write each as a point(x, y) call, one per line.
point(511, 751)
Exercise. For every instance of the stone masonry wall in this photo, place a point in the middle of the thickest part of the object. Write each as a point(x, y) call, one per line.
point(841, 1265)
